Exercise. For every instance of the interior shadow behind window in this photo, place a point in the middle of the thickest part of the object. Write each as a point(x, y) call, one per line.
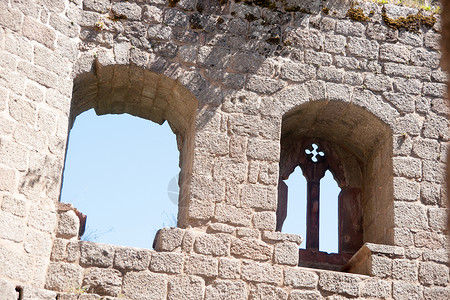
point(117, 172)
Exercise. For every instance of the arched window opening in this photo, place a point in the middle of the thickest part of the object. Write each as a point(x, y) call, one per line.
point(129, 89)
point(296, 206)
point(355, 147)
point(117, 172)
point(328, 214)
point(295, 221)
point(316, 157)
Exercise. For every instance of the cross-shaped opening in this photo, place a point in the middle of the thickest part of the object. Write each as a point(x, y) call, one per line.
point(314, 154)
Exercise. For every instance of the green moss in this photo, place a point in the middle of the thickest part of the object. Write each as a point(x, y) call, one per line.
point(410, 23)
point(357, 14)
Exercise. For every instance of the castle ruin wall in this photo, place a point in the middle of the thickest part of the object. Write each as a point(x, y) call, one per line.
point(232, 79)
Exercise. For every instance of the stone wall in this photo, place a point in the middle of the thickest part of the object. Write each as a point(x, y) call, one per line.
point(232, 79)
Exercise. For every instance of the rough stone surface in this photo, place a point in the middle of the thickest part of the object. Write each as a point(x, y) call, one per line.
point(406, 290)
point(345, 284)
point(261, 272)
point(201, 265)
point(186, 287)
point(216, 245)
point(286, 254)
point(251, 248)
point(225, 289)
point(300, 278)
point(131, 259)
point(12, 227)
point(169, 239)
point(103, 281)
point(68, 224)
point(265, 291)
point(229, 268)
point(167, 262)
point(8, 290)
point(376, 288)
point(97, 255)
point(63, 277)
point(433, 274)
point(144, 285)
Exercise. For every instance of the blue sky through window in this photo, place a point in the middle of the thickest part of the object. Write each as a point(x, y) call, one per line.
point(328, 216)
point(117, 171)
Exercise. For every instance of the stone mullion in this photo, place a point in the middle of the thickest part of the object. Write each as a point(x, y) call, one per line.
point(312, 215)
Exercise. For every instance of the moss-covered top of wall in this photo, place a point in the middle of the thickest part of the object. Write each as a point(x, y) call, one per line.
point(412, 22)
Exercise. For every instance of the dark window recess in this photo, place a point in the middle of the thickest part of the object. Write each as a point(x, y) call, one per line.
point(315, 157)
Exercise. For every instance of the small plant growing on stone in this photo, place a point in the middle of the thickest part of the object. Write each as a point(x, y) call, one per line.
point(100, 25)
point(79, 290)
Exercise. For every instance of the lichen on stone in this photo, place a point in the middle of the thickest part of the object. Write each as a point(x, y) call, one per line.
point(410, 22)
point(357, 14)
point(292, 9)
point(274, 40)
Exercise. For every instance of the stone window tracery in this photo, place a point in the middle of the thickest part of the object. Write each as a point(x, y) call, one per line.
point(315, 157)
point(354, 146)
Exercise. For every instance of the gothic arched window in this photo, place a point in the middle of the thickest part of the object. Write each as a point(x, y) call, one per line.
point(355, 147)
